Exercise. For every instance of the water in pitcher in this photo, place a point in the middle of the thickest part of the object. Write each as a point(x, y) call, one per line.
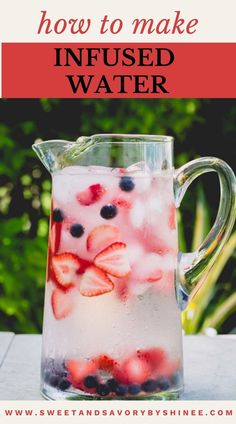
point(110, 322)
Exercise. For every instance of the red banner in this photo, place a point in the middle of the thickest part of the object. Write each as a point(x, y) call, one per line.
point(80, 70)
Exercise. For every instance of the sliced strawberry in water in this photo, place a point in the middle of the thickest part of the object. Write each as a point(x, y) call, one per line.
point(101, 237)
point(62, 304)
point(155, 276)
point(119, 373)
point(154, 357)
point(132, 370)
point(105, 362)
point(95, 282)
point(114, 260)
point(49, 257)
point(122, 290)
point(66, 266)
point(78, 369)
point(172, 217)
point(51, 277)
point(121, 203)
point(167, 368)
point(91, 195)
point(55, 236)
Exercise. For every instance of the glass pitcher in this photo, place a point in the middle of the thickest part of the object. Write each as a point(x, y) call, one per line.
point(116, 283)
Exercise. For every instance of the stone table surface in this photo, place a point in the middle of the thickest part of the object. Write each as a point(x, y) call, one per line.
point(209, 367)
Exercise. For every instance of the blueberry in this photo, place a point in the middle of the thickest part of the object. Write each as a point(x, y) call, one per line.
point(163, 383)
point(63, 384)
point(57, 215)
point(126, 184)
point(108, 211)
point(77, 230)
point(54, 380)
point(134, 389)
point(121, 390)
point(112, 384)
point(91, 381)
point(59, 370)
point(103, 389)
point(149, 386)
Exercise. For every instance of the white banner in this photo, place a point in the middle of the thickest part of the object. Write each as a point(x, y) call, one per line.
point(165, 21)
point(115, 412)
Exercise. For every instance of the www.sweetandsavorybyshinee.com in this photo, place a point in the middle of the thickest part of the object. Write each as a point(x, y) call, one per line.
point(118, 412)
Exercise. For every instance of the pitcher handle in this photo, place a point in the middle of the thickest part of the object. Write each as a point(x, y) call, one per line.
point(193, 267)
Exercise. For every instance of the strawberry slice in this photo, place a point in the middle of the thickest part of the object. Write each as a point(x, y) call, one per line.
point(91, 195)
point(154, 357)
point(132, 370)
point(62, 304)
point(101, 237)
point(51, 277)
point(105, 362)
point(95, 282)
point(122, 290)
point(167, 368)
point(66, 266)
point(55, 236)
point(172, 217)
point(78, 369)
point(114, 260)
point(121, 203)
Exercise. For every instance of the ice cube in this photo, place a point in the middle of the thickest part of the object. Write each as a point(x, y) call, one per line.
point(150, 266)
point(155, 206)
point(135, 252)
point(137, 214)
point(138, 167)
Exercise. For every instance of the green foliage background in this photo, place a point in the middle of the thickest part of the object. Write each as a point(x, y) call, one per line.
point(200, 127)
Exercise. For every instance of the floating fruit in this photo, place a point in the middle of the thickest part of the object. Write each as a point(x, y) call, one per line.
point(78, 369)
point(105, 362)
point(154, 357)
point(108, 211)
point(62, 304)
point(126, 184)
point(76, 230)
point(95, 282)
point(66, 267)
point(57, 215)
point(91, 195)
point(114, 260)
point(132, 370)
point(101, 237)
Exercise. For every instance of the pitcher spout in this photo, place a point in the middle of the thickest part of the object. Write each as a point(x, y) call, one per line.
point(57, 154)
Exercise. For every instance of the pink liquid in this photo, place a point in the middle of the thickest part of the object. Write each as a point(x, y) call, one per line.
point(110, 306)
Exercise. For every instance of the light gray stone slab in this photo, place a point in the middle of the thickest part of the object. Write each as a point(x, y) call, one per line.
point(5, 341)
point(20, 372)
point(209, 365)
